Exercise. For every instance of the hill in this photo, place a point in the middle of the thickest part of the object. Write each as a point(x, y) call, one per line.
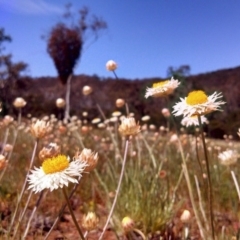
point(41, 94)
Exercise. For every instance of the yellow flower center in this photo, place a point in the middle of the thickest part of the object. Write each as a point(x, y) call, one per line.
point(196, 97)
point(55, 164)
point(160, 84)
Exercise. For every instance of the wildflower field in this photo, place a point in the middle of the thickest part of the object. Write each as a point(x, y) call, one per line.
point(117, 177)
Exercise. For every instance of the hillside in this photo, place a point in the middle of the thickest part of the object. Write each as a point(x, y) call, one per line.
point(41, 93)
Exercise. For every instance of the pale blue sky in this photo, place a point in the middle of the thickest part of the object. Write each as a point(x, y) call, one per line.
point(144, 37)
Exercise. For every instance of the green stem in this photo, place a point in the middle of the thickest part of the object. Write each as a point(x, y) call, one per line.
point(72, 214)
point(210, 193)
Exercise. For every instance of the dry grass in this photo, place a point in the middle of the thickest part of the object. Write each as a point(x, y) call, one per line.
point(153, 193)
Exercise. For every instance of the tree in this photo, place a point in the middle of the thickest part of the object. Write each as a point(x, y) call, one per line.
point(65, 43)
point(3, 38)
point(181, 73)
point(10, 71)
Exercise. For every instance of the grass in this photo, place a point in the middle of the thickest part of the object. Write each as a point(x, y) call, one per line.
point(154, 191)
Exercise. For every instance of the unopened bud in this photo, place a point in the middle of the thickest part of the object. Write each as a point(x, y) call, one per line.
point(129, 127)
point(39, 129)
point(128, 224)
point(89, 157)
point(86, 90)
point(19, 102)
point(7, 120)
point(111, 65)
point(186, 216)
point(120, 102)
point(166, 112)
point(60, 103)
point(3, 162)
point(145, 118)
point(7, 148)
point(51, 150)
point(90, 221)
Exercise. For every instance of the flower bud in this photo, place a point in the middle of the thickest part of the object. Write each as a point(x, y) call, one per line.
point(120, 102)
point(85, 129)
point(7, 120)
point(116, 114)
point(186, 216)
point(86, 90)
point(173, 138)
point(19, 102)
point(51, 150)
point(96, 120)
point(90, 221)
point(145, 118)
point(166, 112)
point(111, 65)
point(152, 127)
point(7, 148)
point(128, 224)
point(40, 129)
point(3, 162)
point(89, 157)
point(60, 103)
point(129, 127)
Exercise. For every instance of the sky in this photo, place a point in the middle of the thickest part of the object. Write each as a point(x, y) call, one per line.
point(144, 37)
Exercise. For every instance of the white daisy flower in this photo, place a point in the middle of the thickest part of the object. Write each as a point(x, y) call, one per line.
point(162, 88)
point(228, 157)
point(197, 103)
point(193, 121)
point(55, 173)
